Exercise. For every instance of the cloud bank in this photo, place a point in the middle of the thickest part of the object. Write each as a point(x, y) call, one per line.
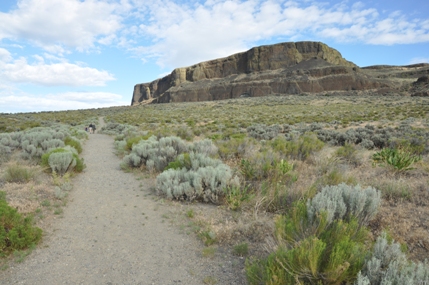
point(25, 102)
point(182, 34)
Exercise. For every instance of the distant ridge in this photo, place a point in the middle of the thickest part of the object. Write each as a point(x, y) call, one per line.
point(280, 69)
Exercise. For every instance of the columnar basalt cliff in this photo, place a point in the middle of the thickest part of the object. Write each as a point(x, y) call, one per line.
point(285, 68)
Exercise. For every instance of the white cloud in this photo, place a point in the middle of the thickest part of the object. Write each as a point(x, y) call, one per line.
point(419, 60)
point(59, 24)
point(88, 97)
point(183, 34)
point(49, 74)
point(12, 103)
point(5, 55)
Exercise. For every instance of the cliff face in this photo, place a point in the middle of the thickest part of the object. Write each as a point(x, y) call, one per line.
point(285, 68)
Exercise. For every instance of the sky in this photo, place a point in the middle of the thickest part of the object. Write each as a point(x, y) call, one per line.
point(81, 54)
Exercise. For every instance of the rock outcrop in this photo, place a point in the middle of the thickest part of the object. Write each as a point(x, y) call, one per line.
point(420, 88)
point(285, 68)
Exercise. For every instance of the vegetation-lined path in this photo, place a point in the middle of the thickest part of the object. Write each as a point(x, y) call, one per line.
point(112, 234)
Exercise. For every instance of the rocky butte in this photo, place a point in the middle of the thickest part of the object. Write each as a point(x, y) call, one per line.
point(279, 69)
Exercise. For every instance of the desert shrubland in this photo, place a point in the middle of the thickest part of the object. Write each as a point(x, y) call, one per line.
point(306, 186)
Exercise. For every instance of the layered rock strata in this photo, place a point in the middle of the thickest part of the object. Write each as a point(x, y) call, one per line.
point(285, 68)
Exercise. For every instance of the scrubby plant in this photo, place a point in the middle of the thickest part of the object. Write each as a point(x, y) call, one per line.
point(182, 161)
point(234, 147)
point(366, 137)
point(395, 190)
point(134, 140)
point(323, 241)
point(116, 129)
point(185, 133)
point(37, 141)
point(204, 180)
point(73, 143)
point(18, 174)
point(16, 232)
point(155, 154)
point(80, 134)
point(389, 265)
point(345, 202)
point(61, 160)
point(59, 193)
point(5, 153)
point(334, 176)
point(299, 147)
point(348, 153)
point(264, 132)
point(312, 251)
point(396, 159)
point(236, 196)
point(241, 249)
point(206, 147)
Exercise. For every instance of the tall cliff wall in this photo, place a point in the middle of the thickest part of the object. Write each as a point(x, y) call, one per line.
point(285, 68)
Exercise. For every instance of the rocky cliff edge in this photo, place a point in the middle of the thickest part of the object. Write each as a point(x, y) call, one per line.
point(285, 68)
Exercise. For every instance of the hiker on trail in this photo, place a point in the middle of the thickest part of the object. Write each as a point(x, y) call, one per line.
point(91, 128)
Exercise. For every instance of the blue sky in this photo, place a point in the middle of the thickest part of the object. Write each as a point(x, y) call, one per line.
point(79, 54)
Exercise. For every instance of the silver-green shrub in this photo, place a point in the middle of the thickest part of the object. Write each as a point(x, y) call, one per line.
point(80, 134)
point(60, 162)
point(5, 153)
point(161, 152)
point(120, 146)
point(343, 202)
point(116, 129)
point(264, 132)
point(204, 183)
point(51, 144)
point(59, 193)
point(388, 265)
point(205, 146)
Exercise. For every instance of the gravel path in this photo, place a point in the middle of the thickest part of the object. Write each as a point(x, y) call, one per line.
point(113, 232)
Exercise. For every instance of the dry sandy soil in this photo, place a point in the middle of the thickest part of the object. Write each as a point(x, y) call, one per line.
point(113, 231)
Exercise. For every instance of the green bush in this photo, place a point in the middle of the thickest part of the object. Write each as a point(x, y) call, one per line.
point(18, 174)
point(323, 241)
point(396, 159)
point(16, 232)
point(185, 133)
point(182, 161)
point(266, 166)
point(298, 148)
point(312, 252)
point(333, 176)
point(348, 153)
point(236, 196)
point(261, 165)
point(135, 140)
point(73, 143)
point(241, 249)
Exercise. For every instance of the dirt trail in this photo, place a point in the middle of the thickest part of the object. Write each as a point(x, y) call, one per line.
point(113, 232)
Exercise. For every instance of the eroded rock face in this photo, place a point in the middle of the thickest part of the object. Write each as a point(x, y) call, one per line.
point(285, 68)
